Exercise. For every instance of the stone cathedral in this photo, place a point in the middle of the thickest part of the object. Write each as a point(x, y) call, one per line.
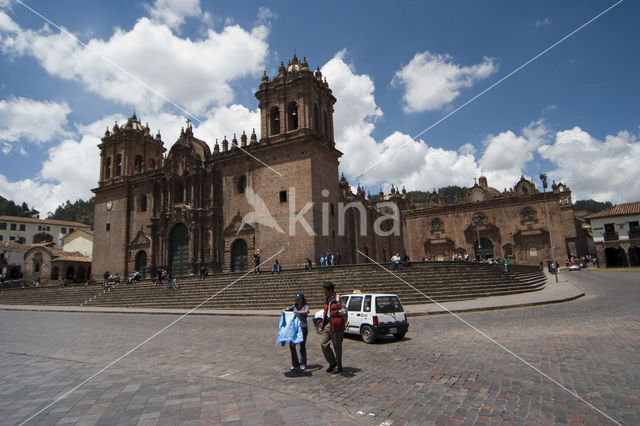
point(279, 191)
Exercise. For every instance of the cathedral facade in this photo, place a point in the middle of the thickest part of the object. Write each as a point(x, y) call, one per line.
point(279, 192)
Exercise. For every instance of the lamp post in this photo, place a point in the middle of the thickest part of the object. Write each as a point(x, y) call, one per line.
point(478, 217)
point(543, 178)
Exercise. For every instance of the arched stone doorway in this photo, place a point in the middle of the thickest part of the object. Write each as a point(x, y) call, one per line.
point(179, 250)
point(141, 262)
point(54, 273)
point(80, 275)
point(70, 273)
point(484, 250)
point(239, 256)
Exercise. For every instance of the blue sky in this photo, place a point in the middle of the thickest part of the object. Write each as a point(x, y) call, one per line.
point(396, 68)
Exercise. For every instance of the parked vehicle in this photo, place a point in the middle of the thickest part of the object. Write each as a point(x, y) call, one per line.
point(371, 315)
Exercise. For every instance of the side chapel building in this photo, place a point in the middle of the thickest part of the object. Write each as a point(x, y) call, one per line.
point(194, 206)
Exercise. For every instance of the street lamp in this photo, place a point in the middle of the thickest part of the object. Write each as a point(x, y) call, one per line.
point(543, 178)
point(478, 218)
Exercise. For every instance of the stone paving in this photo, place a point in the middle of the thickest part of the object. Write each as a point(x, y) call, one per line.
point(226, 370)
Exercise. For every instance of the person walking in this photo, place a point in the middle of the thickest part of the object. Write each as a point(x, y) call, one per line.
point(507, 262)
point(256, 262)
point(332, 328)
point(301, 309)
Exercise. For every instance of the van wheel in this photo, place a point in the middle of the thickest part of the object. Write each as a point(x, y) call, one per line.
point(399, 336)
point(318, 326)
point(367, 334)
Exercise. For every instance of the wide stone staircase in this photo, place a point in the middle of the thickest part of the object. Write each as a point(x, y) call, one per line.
point(440, 281)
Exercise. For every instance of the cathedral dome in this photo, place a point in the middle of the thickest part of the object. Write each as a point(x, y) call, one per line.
point(133, 124)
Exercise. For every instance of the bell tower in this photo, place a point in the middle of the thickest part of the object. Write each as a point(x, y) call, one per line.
point(129, 155)
point(297, 102)
point(128, 150)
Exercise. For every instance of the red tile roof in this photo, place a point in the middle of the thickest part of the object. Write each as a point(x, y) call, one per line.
point(19, 219)
point(619, 210)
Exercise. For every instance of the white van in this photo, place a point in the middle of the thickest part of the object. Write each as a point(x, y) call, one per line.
point(371, 315)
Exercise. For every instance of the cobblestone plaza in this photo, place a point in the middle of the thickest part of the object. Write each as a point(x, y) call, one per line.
point(219, 369)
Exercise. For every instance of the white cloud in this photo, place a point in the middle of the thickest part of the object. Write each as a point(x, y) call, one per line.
point(506, 155)
point(227, 121)
point(173, 13)
point(28, 120)
point(195, 74)
point(404, 160)
point(432, 81)
point(69, 172)
point(543, 22)
point(606, 170)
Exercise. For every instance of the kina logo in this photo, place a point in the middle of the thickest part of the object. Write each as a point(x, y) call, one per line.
point(260, 213)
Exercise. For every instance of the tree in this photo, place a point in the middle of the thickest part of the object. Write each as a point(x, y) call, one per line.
point(9, 208)
point(79, 211)
point(592, 206)
point(453, 193)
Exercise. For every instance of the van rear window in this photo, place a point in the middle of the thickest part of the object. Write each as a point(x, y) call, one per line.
point(388, 305)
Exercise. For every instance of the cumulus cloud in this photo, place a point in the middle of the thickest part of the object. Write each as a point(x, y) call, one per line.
point(227, 121)
point(506, 154)
point(398, 158)
point(148, 64)
point(69, 172)
point(28, 120)
point(173, 13)
point(432, 81)
point(606, 170)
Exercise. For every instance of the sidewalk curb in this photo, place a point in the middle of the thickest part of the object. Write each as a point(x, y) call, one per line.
point(107, 310)
point(495, 308)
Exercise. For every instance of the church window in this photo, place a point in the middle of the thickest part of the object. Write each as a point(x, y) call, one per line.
point(332, 210)
point(107, 168)
point(436, 224)
point(527, 214)
point(108, 228)
point(275, 121)
point(118, 171)
point(242, 184)
point(139, 163)
point(178, 193)
point(283, 196)
point(152, 164)
point(63, 230)
point(142, 203)
point(22, 240)
point(23, 227)
point(292, 114)
point(3, 225)
point(13, 226)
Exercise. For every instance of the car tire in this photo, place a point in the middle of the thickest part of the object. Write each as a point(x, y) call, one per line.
point(399, 336)
point(367, 334)
point(318, 325)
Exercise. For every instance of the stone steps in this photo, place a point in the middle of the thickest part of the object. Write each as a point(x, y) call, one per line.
point(442, 281)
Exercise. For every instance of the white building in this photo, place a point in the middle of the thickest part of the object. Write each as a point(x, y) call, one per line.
point(26, 230)
point(616, 235)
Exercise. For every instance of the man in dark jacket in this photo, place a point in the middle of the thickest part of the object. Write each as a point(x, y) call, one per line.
point(332, 328)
